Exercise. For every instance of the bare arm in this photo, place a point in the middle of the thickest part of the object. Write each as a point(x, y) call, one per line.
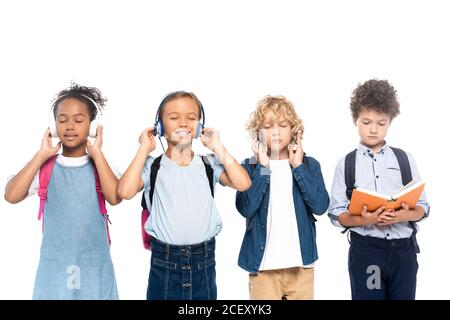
point(366, 218)
point(131, 183)
point(404, 214)
point(234, 176)
point(17, 188)
point(108, 180)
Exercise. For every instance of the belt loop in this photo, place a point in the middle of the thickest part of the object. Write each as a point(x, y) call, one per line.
point(206, 249)
point(349, 239)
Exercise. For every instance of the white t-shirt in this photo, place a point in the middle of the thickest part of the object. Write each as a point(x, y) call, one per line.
point(282, 240)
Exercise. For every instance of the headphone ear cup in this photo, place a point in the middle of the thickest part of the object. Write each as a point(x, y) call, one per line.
point(199, 131)
point(93, 128)
point(160, 129)
point(52, 126)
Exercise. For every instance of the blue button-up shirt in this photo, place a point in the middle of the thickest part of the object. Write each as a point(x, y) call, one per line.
point(310, 197)
point(379, 172)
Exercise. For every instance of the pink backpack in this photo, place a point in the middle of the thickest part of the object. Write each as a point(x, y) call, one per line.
point(44, 178)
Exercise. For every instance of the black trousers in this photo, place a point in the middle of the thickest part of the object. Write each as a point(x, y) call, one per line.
point(382, 269)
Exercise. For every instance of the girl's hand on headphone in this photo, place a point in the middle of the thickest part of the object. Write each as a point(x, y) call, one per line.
point(296, 158)
point(210, 138)
point(147, 140)
point(94, 149)
point(47, 149)
point(260, 151)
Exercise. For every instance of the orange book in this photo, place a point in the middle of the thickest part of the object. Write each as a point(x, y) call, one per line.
point(409, 194)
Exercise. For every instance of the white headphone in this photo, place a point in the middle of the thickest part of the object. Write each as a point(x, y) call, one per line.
point(94, 123)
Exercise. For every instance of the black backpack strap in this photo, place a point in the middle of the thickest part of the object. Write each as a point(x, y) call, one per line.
point(349, 171)
point(143, 203)
point(405, 167)
point(153, 173)
point(209, 173)
point(405, 171)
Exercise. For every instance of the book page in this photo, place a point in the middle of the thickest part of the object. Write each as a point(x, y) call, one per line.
point(409, 187)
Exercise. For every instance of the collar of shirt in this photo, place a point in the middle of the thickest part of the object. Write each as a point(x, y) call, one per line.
point(367, 152)
point(73, 161)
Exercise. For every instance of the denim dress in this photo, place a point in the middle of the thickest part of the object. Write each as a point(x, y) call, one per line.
point(75, 261)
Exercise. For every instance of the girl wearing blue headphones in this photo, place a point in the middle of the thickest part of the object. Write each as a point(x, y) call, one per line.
point(184, 219)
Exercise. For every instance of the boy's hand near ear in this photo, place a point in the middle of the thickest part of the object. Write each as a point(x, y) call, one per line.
point(260, 151)
point(296, 158)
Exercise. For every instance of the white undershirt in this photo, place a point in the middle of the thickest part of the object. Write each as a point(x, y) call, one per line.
point(282, 240)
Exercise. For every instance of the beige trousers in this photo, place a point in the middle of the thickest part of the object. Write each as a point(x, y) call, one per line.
point(285, 284)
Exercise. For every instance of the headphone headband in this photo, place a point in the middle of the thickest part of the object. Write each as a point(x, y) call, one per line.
point(75, 94)
point(158, 123)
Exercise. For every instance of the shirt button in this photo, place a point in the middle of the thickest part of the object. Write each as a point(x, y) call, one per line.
point(374, 159)
point(377, 177)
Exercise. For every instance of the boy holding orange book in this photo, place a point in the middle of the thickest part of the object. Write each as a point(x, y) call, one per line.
point(382, 255)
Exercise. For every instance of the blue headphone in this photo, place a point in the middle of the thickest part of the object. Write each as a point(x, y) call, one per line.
point(159, 128)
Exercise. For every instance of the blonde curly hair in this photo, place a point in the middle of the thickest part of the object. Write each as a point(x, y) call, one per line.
point(278, 105)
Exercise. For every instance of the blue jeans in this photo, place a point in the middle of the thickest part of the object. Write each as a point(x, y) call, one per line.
point(382, 269)
point(182, 272)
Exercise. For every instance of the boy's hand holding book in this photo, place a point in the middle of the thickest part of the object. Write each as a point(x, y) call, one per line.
point(401, 202)
point(368, 217)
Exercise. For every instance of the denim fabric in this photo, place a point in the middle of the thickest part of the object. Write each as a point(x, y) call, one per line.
point(185, 272)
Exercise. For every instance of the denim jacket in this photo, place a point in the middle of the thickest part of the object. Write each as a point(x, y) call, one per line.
point(310, 197)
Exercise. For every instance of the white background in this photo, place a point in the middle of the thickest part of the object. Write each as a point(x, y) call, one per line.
point(231, 54)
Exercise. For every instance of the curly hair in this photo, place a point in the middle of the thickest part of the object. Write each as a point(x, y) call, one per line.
point(84, 94)
point(280, 106)
point(377, 95)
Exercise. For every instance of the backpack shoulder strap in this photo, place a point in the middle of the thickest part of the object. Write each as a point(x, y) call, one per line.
point(101, 200)
point(349, 171)
point(405, 171)
point(98, 188)
point(44, 178)
point(209, 173)
point(405, 167)
point(153, 173)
